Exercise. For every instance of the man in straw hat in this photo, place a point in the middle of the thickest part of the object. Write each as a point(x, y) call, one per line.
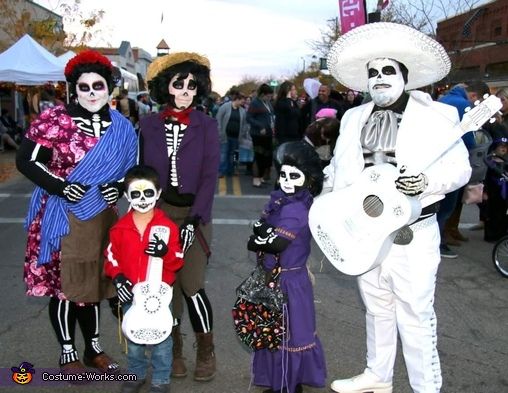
point(182, 144)
point(405, 129)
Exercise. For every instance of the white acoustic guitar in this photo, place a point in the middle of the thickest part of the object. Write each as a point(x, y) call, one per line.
point(355, 226)
point(149, 319)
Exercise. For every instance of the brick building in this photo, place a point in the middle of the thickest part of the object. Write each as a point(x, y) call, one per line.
point(477, 42)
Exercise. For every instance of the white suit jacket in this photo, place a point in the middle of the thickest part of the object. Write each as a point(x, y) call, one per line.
point(426, 131)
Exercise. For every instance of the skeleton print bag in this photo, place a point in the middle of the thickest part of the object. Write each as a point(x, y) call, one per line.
point(258, 310)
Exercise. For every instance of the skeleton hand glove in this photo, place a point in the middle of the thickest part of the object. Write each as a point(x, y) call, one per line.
point(123, 288)
point(266, 239)
point(156, 247)
point(261, 228)
point(73, 192)
point(412, 185)
point(110, 192)
point(187, 232)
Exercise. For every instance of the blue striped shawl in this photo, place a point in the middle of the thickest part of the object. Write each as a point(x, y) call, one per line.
point(108, 161)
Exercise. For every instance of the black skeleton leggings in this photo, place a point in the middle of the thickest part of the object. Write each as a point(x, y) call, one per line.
point(63, 315)
point(200, 312)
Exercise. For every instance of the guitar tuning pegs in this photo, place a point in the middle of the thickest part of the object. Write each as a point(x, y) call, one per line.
point(477, 102)
point(467, 109)
point(492, 120)
point(485, 96)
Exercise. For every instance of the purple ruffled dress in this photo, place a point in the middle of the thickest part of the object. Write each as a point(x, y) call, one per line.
point(300, 360)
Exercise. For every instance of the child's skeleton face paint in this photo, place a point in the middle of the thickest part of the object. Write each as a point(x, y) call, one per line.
point(142, 195)
point(386, 83)
point(183, 91)
point(92, 90)
point(291, 179)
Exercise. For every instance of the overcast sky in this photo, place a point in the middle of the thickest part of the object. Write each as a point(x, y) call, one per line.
point(240, 37)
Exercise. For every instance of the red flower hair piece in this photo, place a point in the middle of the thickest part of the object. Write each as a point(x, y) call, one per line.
point(86, 57)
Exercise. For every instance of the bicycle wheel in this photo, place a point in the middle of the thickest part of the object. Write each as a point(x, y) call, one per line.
point(500, 256)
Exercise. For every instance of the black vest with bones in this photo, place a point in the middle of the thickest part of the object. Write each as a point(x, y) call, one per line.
point(91, 124)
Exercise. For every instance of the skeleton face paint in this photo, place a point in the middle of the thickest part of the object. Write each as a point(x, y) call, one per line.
point(92, 90)
point(291, 179)
point(183, 91)
point(386, 83)
point(142, 195)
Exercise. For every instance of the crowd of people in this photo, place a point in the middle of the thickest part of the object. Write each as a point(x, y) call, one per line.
point(84, 156)
point(253, 127)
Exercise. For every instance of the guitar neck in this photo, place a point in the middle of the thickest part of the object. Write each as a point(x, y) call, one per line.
point(472, 120)
point(154, 270)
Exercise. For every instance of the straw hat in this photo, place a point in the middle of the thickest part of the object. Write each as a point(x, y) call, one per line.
point(426, 60)
point(162, 63)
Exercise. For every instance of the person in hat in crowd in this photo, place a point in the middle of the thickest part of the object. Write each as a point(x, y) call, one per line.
point(300, 359)
point(404, 128)
point(76, 155)
point(182, 144)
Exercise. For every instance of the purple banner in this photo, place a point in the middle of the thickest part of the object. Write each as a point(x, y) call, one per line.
point(352, 14)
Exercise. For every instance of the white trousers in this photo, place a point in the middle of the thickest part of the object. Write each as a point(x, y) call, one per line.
point(399, 297)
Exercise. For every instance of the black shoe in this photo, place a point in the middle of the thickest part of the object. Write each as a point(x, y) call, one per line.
point(446, 252)
point(132, 386)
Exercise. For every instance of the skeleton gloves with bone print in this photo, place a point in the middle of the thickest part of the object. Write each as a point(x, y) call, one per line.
point(412, 185)
point(188, 232)
point(123, 288)
point(111, 192)
point(266, 239)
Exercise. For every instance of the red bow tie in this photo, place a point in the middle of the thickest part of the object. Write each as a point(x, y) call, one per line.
point(181, 116)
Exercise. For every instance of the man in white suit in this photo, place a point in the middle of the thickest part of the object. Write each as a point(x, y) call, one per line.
point(409, 130)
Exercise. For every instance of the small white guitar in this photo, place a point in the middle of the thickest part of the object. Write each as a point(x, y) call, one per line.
point(355, 226)
point(149, 319)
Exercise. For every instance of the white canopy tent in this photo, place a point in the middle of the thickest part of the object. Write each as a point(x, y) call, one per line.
point(64, 58)
point(27, 63)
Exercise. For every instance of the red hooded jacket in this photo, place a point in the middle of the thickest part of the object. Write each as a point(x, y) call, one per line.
point(126, 250)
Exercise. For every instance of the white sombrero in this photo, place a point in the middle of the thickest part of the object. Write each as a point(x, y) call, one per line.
point(424, 57)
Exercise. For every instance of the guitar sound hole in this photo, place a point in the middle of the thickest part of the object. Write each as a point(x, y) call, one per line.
point(373, 206)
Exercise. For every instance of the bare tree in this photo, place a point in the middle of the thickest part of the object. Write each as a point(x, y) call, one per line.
point(329, 35)
point(423, 15)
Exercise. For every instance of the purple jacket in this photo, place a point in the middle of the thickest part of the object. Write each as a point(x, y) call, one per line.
point(197, 161)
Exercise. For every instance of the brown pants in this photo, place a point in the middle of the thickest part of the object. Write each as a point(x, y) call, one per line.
point(82, 258)
point(191, 277)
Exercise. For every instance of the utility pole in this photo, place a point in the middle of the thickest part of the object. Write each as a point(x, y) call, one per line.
point(335, 26)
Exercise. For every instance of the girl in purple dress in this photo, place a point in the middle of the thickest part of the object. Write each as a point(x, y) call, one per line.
point(283, 234)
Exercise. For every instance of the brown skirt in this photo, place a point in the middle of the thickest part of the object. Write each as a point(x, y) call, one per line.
point(82, 258)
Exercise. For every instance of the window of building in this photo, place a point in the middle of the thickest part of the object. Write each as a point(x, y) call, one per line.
point(497, 70)
point(497, 30)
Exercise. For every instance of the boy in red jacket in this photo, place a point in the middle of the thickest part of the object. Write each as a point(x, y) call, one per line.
point(127, 259)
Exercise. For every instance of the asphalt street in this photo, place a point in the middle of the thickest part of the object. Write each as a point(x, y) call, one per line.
point(471, 307)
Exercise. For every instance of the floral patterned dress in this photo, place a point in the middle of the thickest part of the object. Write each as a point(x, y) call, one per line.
point(54, 129)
